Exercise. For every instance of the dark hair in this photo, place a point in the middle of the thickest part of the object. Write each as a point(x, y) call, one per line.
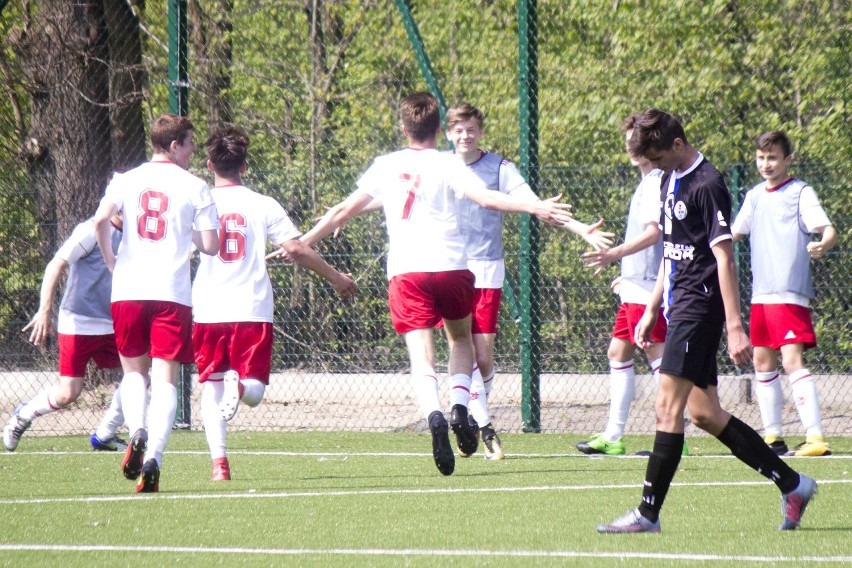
point(420, 117)
point(654, 129)
point(227, 149)
point(463, 112)
point(775, 138)
point(168, 128)
point(628, 122)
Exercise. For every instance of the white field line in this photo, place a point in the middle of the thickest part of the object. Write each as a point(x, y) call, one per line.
point(252, 494)
point(687, 557)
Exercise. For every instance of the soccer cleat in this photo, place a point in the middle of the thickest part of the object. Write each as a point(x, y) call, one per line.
point(14, 430)
point(777, 445)
point(445, 459)
point(113, 444)
point(793, 504)
point(815, 446)
point(600, 445)
point(231, 397)
point(149, 482)
point(221, 470)
point(132, 464)
point(466, 440)
point(630, 522)
point(493, 447)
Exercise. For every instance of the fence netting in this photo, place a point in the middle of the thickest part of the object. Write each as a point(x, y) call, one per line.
point(316, 83)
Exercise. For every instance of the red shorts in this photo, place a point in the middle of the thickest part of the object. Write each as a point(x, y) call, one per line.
point(419, 300)
point(774, 325)
point(153, 327)
point(486, 309)
point(245, 347)
point(76, 350)
point(627, 319)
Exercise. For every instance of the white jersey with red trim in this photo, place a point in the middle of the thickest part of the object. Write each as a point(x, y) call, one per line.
point(162, 203)
point(419, 191)
point(234, 286)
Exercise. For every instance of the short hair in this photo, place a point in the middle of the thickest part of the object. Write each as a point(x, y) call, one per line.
point(654, 129)
point(628, 122)
point(227, 149)
point(420, 116)
point(168, 128)
point(775, 138)
point(463, 112)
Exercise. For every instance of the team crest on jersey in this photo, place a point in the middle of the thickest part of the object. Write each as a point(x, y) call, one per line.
point(721, 218)
point(680, 210)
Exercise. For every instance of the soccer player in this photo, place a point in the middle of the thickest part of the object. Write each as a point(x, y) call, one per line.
point(420, 189)
point(84, 331)
point(166, 210)
point(781, 214)
point(640, 256)
point(232, 294)
point(483, 232)
point(698, 280)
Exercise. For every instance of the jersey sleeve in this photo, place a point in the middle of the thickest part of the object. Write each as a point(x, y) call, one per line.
point(649, 195)
point(742, 224)
point(115, 192)
point(279, 226)
point(206, 215)
point(513, 183)
point(372, 180)
point(714, 202)
point(811, 213)
point(81, 243)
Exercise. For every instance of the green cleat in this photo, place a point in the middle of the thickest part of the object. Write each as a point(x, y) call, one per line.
point(599, 445)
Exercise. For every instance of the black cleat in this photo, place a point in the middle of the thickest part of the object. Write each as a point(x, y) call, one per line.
point(466, 439)
point(132, 464)
point(150, 480)
point(445, 460)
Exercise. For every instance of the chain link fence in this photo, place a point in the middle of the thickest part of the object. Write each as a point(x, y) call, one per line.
point(317, 82)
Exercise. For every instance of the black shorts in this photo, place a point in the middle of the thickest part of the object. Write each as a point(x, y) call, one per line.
point(690, 352)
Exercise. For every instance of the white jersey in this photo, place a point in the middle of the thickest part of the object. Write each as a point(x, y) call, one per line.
point(780, 221)
point(420, 192)
point(639, 270)
point(233, 286)
point(85, 308)
point(162, 203)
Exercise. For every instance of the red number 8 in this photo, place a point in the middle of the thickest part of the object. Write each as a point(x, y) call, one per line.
point(151, 222)
point(232, 241)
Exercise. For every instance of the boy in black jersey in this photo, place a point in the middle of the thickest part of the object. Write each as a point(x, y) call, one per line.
point(698, 282)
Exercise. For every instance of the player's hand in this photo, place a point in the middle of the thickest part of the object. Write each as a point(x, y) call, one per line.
point(615, 285)
point(642, 334)
point(551, 212)
point(599, 240)
point(816, 249)
point(598, 259)
point(345, 286)
point(281, 253)
point(41, 326)
point(739, 347)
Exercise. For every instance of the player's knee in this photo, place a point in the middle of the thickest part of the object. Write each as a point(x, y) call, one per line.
point(253, 391)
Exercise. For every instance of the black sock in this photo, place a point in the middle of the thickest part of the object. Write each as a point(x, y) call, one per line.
point(749, 447)
point(662, 466)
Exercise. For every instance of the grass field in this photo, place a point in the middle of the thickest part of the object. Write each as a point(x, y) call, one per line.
point(372, 499)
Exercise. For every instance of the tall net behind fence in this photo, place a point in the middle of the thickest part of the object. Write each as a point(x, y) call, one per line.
point(316, 83)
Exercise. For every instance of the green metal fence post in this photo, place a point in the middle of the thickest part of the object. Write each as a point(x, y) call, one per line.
point(529, 246)
point(179, 105)
point(738, 189)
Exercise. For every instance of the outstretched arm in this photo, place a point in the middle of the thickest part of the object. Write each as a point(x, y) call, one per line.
point(305, 256)
point(599, 259)
point(599, 240)
point(337, 216)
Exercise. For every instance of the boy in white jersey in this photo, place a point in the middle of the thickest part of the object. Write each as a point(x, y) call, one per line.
point(483, 232)
point(781, 214)
point(419, 189)
point(84, 332)
point(232, 294)
point(167, 210)
point(640, 256)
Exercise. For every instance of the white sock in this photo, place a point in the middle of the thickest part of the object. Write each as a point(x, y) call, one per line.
point(488, 382)
point(807, 401)
point(655, 369)
point(425, 385)
point(113, 417)
point(770, 400)
point(622, 386)
point(215, 427)
point(478, 405)
point(253, 391)
point(134, 401)
point(161, 419)
point(459, 390)
point(43, 403)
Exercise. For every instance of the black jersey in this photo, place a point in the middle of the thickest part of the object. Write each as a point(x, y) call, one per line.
point(696, 215)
